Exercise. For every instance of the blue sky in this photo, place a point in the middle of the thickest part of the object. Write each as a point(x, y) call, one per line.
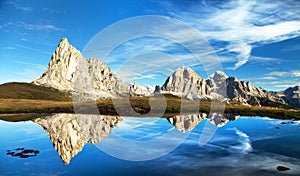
point(257, 41)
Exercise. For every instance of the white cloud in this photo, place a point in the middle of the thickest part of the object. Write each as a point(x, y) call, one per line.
point(10, 48)
point(18, 6)
point(50, 10)
point(266, 59)
point(292, 48)
point(260, 78)
point(33, 49)
point(243, 24)
point(27, 72)
point(294, 73)
point(277, 79)
point(234, 29)
point(243, 50)
point(39, 27)
point(38, 66)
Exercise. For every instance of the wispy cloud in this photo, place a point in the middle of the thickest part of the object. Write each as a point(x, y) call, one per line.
point(277, 79)
point(233, 28)
point(30, 27)
point(39, 27)
point(266, 59)
point(260, 78)
point(244, 51)
point(27, 72)
point(38, 66)
point(292, 48)
point(279, 83)
point(50, 10)
point(242, 25)
point(10, 48)
point(18, 6)
point(294, 73)
point(33, 49)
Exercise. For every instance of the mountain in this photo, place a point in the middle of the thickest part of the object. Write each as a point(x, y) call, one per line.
point(68, 70)
point(242, 92)
point(138, 90)
point(292, 96)
point(186, 83)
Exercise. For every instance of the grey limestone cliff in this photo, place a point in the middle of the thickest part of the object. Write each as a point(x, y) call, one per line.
point(186, 83)
point(68, 70)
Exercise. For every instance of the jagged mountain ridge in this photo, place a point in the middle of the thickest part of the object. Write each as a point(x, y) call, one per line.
point(187, 83)
point(68, 70)
point(292, 96)
point(219, 86)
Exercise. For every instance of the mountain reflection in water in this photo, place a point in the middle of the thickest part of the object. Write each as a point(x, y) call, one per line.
point(70, 132)
point(188, 122)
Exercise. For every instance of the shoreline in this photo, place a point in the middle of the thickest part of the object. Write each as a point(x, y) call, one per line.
point(140, 108)
point(17, 117)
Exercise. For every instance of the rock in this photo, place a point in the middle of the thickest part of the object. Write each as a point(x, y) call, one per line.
point(23, 153)
point(186, 83)
point(69, 71)
point(70, 132)
point(282, 168)
point(92, 79)
point(217, 82)
point(157, 90)
point(246, 93)
point(292, 96)
point(138, 90)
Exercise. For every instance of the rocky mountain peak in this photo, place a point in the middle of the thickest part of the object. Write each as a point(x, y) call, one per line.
point(219, 75)
point(292, 96)
point(186, 73)
point(61, 67)
point(68, 70)
point(63, 41)
point(187, 83)
point(217, 82)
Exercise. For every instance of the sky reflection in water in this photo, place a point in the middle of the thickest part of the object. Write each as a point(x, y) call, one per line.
point(246, 146)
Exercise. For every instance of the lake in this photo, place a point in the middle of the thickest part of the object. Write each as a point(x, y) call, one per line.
point(196, 144)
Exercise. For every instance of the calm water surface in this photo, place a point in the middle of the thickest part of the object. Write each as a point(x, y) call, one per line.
point(69, 145)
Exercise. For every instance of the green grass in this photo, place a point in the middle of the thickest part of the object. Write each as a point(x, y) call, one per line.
point(33, 92)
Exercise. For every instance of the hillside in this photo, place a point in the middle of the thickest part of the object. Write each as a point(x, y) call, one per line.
point(30, 91)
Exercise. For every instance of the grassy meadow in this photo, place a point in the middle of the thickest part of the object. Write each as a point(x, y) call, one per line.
point(27, 98)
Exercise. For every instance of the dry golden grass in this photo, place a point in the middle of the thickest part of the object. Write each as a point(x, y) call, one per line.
point(33, 92)
point(25, 105)
point(141, 106)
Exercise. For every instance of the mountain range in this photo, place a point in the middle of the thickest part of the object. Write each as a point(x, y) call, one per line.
point(69, 71)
